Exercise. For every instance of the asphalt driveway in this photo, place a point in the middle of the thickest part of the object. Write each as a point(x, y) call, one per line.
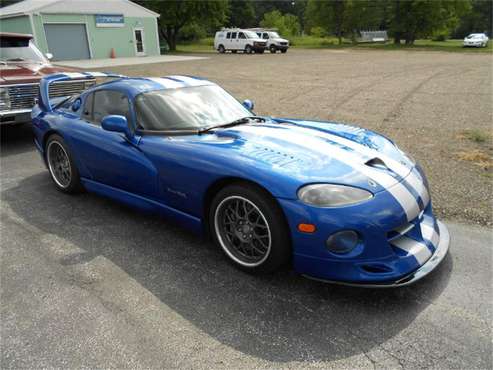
point(86, 282)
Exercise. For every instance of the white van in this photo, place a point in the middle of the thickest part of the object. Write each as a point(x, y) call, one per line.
point(235, 39)
point(273, 40)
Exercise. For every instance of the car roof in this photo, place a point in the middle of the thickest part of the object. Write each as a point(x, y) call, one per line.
point(138, 85)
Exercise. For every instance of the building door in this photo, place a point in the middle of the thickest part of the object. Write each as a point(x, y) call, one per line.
point(139, 41)
point(67, 41)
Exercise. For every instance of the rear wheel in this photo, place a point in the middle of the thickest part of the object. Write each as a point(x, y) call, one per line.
point(249, 226)
point(221, 49)
point(62, 169)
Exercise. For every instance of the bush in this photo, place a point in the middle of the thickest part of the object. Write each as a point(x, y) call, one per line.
point(192, 32)
point(440, 36)
point(318, 32)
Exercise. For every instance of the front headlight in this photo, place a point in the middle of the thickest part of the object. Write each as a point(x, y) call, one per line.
point(4, 98)
point(330, 195)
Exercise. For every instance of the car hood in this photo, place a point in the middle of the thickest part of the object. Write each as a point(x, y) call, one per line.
point(25, 72)
point(280, 40)
point(313, 152)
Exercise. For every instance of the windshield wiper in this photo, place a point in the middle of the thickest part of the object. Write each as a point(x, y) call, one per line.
point(237, 122)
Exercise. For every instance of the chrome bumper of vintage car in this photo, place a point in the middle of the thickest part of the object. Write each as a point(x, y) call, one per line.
point(15, 116)
point(421, 272)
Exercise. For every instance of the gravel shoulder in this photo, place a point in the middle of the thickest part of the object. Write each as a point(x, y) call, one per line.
point(424, 101)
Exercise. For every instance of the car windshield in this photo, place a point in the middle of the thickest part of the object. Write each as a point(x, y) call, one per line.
point(19, 50)
point(188, 108)
point(474, 36)
point(274, 35)
point(251, 35)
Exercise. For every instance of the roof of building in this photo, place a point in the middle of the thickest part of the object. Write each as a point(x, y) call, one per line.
point(125, 7)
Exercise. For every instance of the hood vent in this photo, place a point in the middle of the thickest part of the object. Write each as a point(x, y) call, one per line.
point(377, 163)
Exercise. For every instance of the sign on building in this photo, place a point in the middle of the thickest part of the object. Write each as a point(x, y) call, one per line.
point(109, 20)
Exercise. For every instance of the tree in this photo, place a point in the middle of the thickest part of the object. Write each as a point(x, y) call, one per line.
point(327, 14)
point(175, 14)
point(479, 19)
point(286, 24)
point(242, 14)
point(412, 19)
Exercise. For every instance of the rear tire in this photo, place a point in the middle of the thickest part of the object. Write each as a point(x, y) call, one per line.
point(61, 166)
point(221, 49)
point(249, 226)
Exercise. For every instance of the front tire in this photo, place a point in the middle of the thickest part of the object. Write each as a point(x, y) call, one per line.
point(272, 49)
point(284, 51)
point(249, 226)
point(62, 168)
point(248, 49)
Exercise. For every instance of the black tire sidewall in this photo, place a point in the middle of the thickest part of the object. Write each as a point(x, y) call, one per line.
point(280, 252)
point(75, 184)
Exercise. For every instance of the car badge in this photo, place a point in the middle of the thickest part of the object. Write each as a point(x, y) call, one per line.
point(372, 183)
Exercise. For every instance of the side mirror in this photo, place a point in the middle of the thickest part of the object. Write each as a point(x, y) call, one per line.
point(117, 124)
point(248, 104)
point(49, 56)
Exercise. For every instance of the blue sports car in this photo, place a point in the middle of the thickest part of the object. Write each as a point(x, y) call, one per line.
point(340, 203)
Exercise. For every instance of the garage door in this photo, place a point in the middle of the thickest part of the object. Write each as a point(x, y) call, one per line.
point(67, 41)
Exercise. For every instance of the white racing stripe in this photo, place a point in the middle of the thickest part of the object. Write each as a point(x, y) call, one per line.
point(430, 234)
point(167, 83)
point(191, 81)
point(418, 250)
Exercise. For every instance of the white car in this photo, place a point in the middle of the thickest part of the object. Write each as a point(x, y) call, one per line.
point(235, 39)
point(274, 41)
point(476, 39)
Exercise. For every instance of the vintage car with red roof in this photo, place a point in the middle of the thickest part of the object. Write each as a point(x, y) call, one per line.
point(22, 66)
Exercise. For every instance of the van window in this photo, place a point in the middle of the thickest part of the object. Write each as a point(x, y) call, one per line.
point(241, 35)
point(259, 34)
point(265, 36)
point(228, 35)
point(233, 35)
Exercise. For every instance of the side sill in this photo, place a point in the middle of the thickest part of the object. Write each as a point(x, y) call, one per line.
point(145, 204)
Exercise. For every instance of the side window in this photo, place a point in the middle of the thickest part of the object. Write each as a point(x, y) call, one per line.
point(265, 36)
point(241, 35)
point(233, 35)
point(228, 35)
point(108, 102)
point(259, 34)
point(88, 106)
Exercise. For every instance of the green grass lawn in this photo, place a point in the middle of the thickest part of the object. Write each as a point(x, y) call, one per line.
point(310, 42)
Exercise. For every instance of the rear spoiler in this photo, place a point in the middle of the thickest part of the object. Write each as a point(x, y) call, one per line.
point(44, 85)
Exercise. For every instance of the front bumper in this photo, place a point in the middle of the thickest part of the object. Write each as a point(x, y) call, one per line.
point(430, 265)
point(13, 117)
